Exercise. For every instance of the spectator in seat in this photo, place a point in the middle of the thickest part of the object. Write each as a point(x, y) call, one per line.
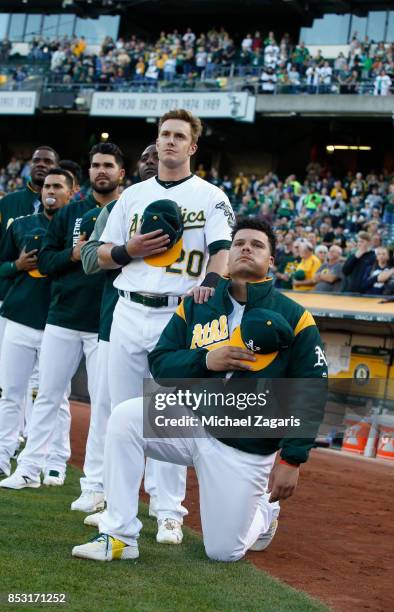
point(170, 68)
point(294, 79)
point(268, 81)
point(356, 265)
point(379, 274)
point(306, 269)
point(325, 74)
point(286, 262)
point(321, 252)
point(13, 167)
point(329, 276)
point(338, 189)
point(382, 84)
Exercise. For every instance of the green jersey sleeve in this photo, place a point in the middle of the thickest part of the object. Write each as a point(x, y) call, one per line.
point(9, 252)
point(54, 258)
point(89, 256)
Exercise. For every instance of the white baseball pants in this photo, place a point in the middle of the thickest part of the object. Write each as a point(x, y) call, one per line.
point(233, 500)
point(33, 385)
point(100, 411)
point(31, 394)
point(19, 359)
point(61, 353)
point(2, 327)
point(3, 323)
point(134, 333)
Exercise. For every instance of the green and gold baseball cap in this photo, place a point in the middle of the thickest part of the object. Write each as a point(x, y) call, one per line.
point(88, 222)
point(264, 332)
point(34, 241)
point(299, 275)
point(165, 215)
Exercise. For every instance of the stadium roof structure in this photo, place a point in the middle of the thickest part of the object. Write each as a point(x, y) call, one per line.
point(306, 10)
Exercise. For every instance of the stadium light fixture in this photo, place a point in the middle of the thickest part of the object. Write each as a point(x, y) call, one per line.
point(332, 148)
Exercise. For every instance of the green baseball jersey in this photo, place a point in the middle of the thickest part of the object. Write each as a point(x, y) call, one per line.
point(183, 345)
point(75, 297)
point(27, 300)
point(14, 205)
point(90, 265)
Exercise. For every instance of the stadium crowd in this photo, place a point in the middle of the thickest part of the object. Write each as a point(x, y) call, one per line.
point(333, 234)
point(277, 62)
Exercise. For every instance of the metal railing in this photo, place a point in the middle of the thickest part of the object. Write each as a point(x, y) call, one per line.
point(213, 78)
point(139, 85)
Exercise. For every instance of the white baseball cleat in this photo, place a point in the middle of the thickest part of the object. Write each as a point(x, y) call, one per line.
point(93, 519)
point(169, 532)
point(54, 479)
point(265, 539)
point(106, 548)
point(89, 501)
point(19, 481)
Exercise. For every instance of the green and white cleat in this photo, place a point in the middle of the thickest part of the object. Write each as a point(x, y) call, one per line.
point(104, 547)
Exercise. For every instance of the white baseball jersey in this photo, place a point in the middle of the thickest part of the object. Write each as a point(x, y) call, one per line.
point(207, 217)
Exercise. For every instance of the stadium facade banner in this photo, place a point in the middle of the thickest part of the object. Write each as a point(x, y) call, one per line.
point(230, 105)
point(18, 102)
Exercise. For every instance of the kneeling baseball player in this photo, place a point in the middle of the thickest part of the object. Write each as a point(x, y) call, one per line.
point(240, 483)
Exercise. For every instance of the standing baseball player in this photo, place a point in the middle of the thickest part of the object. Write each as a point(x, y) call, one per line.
point(154, 277)
point(73, 318)
point(238, 482)
point(25, 202)
point(25, 309)
point(92, 495)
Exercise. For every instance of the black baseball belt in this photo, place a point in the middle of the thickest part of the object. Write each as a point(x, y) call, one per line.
point(151, 301)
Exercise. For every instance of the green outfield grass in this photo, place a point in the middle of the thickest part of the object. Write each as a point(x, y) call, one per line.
point(38, 531)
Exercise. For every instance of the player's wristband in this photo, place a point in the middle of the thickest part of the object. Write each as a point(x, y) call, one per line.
point(211, 280)
point(120, 255)
point(293, 465)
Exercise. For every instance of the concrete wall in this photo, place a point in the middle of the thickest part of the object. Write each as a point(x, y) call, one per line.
point(326, 105)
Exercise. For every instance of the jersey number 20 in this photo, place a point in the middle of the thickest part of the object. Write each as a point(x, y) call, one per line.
point(194, 263)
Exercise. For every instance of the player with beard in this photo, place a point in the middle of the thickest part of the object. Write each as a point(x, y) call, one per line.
point(25, 202)
point(25, 309)
point(92, 495)
point(73, 317)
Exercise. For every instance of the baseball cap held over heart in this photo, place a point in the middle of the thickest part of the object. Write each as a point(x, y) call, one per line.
point(34, 241)
point(264, 332)
point(165, 215)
